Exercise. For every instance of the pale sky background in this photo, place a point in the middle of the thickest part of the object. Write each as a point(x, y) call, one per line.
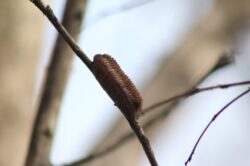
point(137, 39)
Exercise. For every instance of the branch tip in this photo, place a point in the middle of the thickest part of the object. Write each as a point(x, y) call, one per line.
point(213, 120)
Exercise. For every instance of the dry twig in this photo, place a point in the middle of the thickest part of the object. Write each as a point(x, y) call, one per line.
point(213, 120)
point(105, 74)
point(192, 61)
point(124, 94)
point(48, 12)
point(63, 32)
point(191, 93)
point(144, 141)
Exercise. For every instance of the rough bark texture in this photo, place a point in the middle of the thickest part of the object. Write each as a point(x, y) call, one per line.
point(188, 65)
point(20, 36)
point(54, 85)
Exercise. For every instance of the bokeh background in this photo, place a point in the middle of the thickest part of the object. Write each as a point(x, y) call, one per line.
point(165, 46)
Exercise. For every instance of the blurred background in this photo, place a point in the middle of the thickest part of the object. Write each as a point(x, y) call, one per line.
point(164, 46)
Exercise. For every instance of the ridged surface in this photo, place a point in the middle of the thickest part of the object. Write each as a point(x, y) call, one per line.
point(117, 84)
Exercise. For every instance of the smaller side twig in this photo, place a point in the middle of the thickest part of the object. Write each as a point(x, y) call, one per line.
point(213, 120)
point(63, 32)
point(192, 92)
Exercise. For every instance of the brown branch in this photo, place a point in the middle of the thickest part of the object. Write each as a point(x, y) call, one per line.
point(144, 141)
point(198, 55)
point(192, 92)
point(60, 28)
point(212, 121)
point(111, 92)
point(129, 135)
point(53, 88)
point(184, 69)
point(121, 141)
point(126, 137)
point(124, 94)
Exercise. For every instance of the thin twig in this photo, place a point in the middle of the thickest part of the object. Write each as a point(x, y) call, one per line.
point(144, 141)
point(60, 28)
point(127, 136)
point(122, 140)
point(201, 42)
point(132, 121)
point(49, 13)
point(124, 94)
point(193, 92)
point(213, 120)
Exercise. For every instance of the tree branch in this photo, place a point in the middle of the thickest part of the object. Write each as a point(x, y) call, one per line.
point(195, 58)
point(53, 87)
point(100, 68)
point(192, 92)
point(213, 49)
point(124, 94)
point(213, 120)
point(143, 140)
point(60, 28)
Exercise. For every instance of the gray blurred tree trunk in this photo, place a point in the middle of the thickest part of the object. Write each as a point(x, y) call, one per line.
point(57, 74)
point(20, 35)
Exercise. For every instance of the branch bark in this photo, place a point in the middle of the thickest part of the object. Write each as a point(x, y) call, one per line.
point(108, 74)
point(185, 68)
point(54, 85)
point(192, 92)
